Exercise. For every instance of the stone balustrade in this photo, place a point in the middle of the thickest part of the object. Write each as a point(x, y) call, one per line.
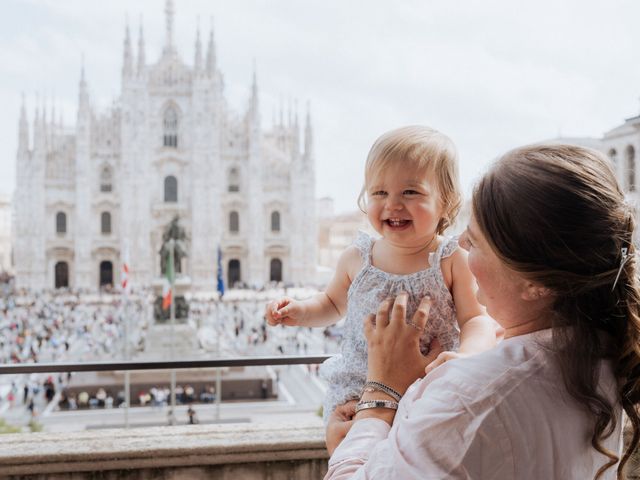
point(229, 451)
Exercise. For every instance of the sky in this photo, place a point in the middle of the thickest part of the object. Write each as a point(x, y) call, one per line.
point(491, 74)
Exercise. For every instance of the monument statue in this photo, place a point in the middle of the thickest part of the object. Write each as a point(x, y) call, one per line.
point(176, 233)
point(173, 232)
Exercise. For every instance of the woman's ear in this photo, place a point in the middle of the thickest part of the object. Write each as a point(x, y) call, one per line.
point(533, 292)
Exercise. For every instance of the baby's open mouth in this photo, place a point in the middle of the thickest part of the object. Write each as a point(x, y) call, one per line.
point(397, 222)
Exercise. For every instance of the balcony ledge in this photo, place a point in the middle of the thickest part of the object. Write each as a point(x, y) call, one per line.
point(192, 451)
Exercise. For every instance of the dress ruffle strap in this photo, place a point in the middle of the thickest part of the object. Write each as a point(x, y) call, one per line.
point(364, 243)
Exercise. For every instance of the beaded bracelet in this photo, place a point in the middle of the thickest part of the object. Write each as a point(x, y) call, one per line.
point(376, 404)
point(372, 386)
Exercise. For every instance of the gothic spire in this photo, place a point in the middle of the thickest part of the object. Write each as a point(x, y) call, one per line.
point(254, 92)
point(83, 92)
point(141, 56)
point(127, 56)
point(296, 128)
point(211, 53)
point(45, 126)
point(198, 56)
point(169, 12)
point(308, 135)
point(23, 135)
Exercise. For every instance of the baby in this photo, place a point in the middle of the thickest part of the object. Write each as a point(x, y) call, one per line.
point(410, 195)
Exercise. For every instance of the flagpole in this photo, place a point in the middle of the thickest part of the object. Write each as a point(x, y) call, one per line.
point(220, 287)
point(127, 348)
point(172, 246)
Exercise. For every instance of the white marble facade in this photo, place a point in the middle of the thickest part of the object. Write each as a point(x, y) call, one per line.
point(621, 145)
point(169, 145)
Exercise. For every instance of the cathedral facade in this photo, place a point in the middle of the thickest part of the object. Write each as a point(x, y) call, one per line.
point(88, 199)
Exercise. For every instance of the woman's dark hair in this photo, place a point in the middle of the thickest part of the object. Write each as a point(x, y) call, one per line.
point(556, 214)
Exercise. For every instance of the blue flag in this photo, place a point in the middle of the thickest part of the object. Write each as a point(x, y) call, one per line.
point(220, 279)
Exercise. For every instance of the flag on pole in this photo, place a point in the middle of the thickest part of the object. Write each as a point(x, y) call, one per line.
point(124, 274)
point(220, 279)
point(167, 294)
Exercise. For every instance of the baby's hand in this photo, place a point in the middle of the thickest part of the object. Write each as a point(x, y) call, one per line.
point(285, 311)
point(442, 358)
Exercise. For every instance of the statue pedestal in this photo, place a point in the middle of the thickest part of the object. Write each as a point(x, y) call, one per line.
point(181, 287)
point(160, 336)
point(161, 333)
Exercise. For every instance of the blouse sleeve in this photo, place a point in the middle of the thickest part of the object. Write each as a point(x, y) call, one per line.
point(433, 439)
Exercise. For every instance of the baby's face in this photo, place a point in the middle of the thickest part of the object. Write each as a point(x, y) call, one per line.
point(404, 206)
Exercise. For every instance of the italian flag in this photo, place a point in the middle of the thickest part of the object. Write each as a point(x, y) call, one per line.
point(167, 294)
point(125, 276)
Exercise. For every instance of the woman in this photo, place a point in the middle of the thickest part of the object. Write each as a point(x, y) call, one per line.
point(550, 245)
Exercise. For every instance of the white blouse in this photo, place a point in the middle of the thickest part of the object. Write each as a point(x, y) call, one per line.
point(503, 414)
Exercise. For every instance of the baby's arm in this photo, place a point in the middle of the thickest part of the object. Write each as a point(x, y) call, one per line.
point(323, 309)
point(477, 330)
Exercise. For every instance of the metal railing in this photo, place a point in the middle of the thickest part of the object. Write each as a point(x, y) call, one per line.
point(19, 368)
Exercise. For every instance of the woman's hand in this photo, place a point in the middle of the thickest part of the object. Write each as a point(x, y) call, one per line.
point(340, 422)
point(394, 356)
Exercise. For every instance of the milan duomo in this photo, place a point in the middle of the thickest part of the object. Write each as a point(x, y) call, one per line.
point(87, 197)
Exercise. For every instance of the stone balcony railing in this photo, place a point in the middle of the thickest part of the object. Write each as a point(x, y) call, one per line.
point(225, 452)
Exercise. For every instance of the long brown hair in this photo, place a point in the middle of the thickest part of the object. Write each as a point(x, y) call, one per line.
point(556, 214)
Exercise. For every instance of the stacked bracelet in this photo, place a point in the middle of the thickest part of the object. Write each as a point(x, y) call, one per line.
point(376, 404)
point(372, 386)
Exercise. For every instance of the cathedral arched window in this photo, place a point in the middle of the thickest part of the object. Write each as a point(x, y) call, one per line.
point(234, 222)
point(275, 221)
point(170, 189)
point(61, 222)
point(105, 223)
point(106, 179)
point(234, 180)
point(170, 137)
point(631, 168)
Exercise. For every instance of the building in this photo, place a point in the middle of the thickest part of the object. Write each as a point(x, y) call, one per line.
point(88, 196)
point(621, 145)
point(336, 233)
point(5, 235)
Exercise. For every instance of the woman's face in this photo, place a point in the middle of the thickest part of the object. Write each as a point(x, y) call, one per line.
point(499, 288)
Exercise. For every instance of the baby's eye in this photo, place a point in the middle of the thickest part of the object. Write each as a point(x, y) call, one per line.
point(378, 193)
point(411, 192)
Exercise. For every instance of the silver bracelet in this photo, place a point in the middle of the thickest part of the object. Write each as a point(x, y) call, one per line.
point(376, 404)
point(372, 386)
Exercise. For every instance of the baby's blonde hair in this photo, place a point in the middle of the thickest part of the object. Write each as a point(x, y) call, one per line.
point(424, 150)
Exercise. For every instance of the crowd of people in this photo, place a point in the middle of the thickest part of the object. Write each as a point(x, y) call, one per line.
point(55, 326)
point(73, 326)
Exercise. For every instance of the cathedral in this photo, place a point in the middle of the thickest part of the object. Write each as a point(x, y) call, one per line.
point(88, 199)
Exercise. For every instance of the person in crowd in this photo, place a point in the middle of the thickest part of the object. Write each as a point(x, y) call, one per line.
point(191, 413)
point(550, 244)
point(411, 195)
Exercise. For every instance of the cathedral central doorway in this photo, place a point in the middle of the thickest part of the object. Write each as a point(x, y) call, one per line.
point(275, 274)
point(233, 273)
point(106, 274)
point(62, 275)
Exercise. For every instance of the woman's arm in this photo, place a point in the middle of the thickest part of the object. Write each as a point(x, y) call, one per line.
point(430, 437)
